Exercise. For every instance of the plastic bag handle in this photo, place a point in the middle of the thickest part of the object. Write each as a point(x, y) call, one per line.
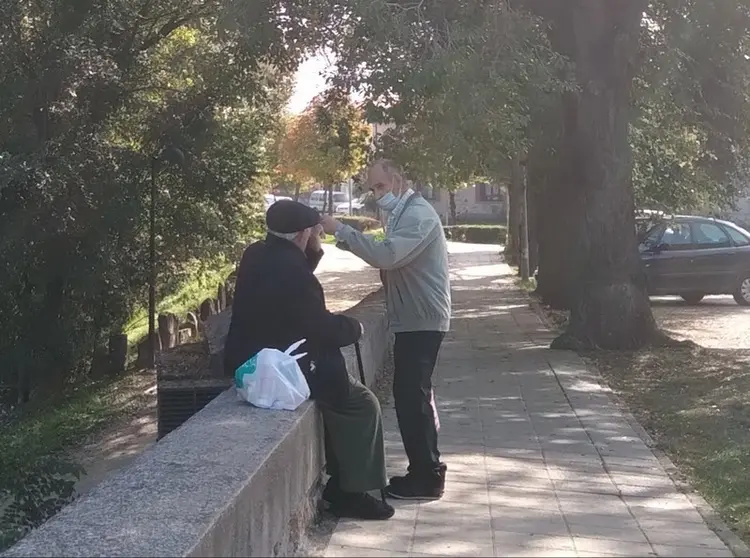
point(293, 347)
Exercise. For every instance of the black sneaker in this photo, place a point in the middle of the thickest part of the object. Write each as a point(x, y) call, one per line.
point(413, 486)
point(360, 505)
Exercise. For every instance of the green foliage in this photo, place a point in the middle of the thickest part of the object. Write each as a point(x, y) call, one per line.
point(691, 131)
point(36, 472)
point(476, 234)
point(459, 80)
point(341, 138)
point(89, 92)
point(32, 491)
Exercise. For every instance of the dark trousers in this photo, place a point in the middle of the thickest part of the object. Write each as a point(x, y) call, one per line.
point(415, 354)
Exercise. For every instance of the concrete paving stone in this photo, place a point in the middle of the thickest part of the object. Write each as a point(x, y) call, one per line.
point(466, 493)
point(514, 496)
point(509, 540)
point(655, 480)
point(371, 534)
point(592, 473)
point(552, 524)
point(442, 510)
point(612, 547)
point(520, 479)
point(615, 463)
point(440, 545)
point(698, 537)
point(529, 443)
point(557, 457)
point(570, 452)
point(578, 503)
point(629, 490)
point(627, 531)
point(336, 551)
point(538, 552)
point(681, 515)
point(687, 552)
point(603, 486)
point(478, 477)
point(534, 454)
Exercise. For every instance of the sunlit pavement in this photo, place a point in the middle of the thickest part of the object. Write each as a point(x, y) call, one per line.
point(540, 460)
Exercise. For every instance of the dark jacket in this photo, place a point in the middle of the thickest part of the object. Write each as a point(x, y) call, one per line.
point(278, 300)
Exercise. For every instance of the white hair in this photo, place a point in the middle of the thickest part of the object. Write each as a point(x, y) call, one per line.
point(285, 236)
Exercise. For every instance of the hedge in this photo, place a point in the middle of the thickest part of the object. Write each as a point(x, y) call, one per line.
point(476, 234)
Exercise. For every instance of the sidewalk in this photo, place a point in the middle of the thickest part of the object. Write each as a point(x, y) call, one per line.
point(540, 460)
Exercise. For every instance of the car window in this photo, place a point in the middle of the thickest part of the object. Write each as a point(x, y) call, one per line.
point(339, 198)
point(651, 238)
point(677, 236)
point(737, 237)
point(709, 235)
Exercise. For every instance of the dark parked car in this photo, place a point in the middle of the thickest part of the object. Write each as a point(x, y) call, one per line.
point(697, 256)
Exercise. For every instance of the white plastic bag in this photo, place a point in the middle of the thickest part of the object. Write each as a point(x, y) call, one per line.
point(272, 379)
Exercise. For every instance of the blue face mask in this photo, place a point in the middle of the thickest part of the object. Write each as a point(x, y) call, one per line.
point(388, 202)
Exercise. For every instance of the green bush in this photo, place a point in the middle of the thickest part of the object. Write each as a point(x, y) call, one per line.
point(476, 234)
point(361, 223)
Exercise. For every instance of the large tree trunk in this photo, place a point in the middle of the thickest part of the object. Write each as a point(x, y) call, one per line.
point(296, 191)
point(610, 308)
point(513, 220)
point(452, 207)
point(552, 215)
point(330, 200)
point(531, 222)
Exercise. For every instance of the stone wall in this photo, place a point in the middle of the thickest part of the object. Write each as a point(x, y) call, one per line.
point(233, 480)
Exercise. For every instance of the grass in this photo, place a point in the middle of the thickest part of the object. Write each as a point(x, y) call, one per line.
point(193, 291)
point(696, 405)
point(75, 415)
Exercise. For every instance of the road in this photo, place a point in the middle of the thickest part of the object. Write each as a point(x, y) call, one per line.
point(718, 322)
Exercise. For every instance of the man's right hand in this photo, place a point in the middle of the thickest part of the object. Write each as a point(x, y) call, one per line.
point(328, 223)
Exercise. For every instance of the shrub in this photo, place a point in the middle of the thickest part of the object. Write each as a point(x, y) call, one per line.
point(32, 491)
point(476, 234)
point(361, 223)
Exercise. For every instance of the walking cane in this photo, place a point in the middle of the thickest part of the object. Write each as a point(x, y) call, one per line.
point(358, 352)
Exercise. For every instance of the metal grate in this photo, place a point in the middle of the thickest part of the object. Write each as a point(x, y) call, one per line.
point(177, 404)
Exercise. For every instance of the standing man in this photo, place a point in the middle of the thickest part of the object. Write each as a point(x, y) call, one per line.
point(413, 263)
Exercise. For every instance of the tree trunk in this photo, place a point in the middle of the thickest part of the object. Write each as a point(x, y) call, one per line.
point(523, 230)
point(296, 191)
point(610, 308)
point(452, 207)
point(515, 191)
point(330, 200)
point(553, 209)
point(531, 222)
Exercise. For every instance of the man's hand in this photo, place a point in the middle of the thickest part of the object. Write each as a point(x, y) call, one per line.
point(316, 238)
point(328, 223)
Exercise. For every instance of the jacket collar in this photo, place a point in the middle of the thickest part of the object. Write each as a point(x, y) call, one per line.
point(283, 245)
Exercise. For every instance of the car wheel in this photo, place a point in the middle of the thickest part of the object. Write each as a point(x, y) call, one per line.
point(693, 298)
point(742, 294)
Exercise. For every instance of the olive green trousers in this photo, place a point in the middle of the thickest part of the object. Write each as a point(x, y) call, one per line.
point(355, 451)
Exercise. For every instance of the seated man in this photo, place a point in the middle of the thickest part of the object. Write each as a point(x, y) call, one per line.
point(278, 301)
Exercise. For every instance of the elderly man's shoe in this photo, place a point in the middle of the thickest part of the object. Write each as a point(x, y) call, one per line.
point(360, 505)
point(428, 485)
